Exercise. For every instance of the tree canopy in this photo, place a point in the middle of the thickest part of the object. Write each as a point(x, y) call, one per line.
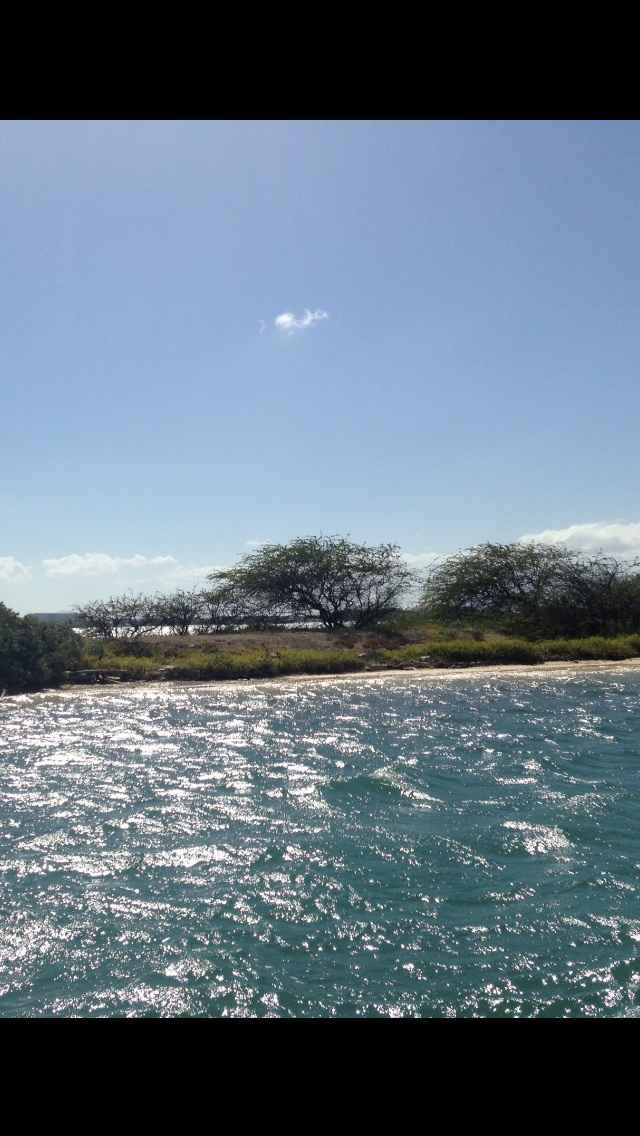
point(120, 617)
point(536, 588)
point(34, 654)
point(329, 579)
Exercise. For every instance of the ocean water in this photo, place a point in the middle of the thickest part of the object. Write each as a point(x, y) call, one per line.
point(428, 845)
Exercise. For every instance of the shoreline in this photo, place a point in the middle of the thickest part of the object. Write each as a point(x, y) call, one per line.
point(528, 669)
point(464, 672)
point(525, 670)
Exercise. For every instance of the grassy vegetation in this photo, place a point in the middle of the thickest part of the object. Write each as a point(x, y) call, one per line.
point(470, 652)
point(436, 648)
point(249, 663)
point(263, 664)
point(467, 652)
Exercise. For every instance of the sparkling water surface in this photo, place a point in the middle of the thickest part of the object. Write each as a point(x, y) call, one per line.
point(422, 845)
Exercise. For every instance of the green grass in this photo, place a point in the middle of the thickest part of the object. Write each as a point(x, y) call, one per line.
point(438, 652)
point(596, 647)
point(236, 664)
point(263, 664)
point(469, 652)
point(442, 653)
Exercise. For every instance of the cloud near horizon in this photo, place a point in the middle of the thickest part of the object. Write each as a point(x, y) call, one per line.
point(288, 323)
point(99, 564)
point(14, 570)
point(616, 539)
point(423, 559)
point(188, 574)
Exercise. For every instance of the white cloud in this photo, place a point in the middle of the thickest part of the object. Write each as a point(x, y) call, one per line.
point(12, 569)
point(616, 539)
point(288, 323)
point(99, 564)
point(422, 559)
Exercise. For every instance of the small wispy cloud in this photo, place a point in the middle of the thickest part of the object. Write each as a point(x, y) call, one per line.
point(617, 539)
point(99, 564)
point(286, 322)
point(12, 569)
point(190, 574)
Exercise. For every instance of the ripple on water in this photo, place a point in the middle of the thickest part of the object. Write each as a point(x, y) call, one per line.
point(418, 846)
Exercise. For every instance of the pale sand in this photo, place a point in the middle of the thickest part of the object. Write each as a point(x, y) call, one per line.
point(526, 671)
point(433, 674)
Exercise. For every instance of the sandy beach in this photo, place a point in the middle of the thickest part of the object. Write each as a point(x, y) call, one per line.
point(622, 666)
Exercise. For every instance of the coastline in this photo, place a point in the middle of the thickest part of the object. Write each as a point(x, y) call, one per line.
point(464, 672)
point(529, 670)
point(436, 674)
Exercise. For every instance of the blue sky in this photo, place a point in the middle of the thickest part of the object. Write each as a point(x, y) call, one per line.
point(219, 333)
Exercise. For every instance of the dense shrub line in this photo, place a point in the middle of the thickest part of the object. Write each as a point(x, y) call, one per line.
point(536, 591)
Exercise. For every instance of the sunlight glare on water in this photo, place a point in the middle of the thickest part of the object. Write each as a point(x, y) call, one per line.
point(424, 845)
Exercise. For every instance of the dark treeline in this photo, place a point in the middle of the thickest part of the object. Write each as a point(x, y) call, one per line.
point(533, 591)
point(328, 580)
point(536, 591)
point(181, 612)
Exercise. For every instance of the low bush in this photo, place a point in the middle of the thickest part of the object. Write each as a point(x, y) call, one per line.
point(447, 652)
point(33, 654)
point(595, 647)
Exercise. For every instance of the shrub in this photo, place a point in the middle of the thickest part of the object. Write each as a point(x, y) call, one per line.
point(34, 654)
point(535, 590)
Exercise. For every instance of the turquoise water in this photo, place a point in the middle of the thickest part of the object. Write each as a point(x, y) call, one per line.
point(428, 845)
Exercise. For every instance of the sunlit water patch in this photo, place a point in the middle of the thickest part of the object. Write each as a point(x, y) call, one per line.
point(417, 846)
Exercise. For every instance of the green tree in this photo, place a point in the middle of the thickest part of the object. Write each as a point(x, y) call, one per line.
point(120, 617)
point(330, 579)
point(231, 604)
point(600, 596)
point(180, 610)
point(536, 589)
point(34, 654)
